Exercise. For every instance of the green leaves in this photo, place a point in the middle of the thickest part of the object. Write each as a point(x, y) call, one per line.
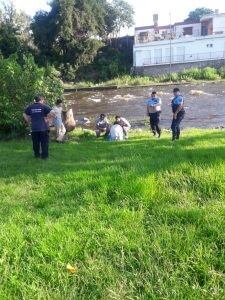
point(19, 84)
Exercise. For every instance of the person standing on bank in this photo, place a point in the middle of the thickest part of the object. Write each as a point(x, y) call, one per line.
point(154, 111)
point(37, 114)
point(58, 123)
point(178, 113)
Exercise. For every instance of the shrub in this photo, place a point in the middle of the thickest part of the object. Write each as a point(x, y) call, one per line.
point(221, 72)
point(19, 84)
point(209, 74)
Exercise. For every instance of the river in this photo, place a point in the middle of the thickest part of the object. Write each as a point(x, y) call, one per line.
point(204, 104)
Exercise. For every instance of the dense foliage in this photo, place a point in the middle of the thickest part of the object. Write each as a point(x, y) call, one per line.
point(198, 13)
point(19, 83)
point(70, 35)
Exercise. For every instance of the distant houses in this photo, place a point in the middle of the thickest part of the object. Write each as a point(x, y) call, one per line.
point(159, 49)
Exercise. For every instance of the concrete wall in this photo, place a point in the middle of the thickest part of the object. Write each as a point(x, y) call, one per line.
point(164, 69)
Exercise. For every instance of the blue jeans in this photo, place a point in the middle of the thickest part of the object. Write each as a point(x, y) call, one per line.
point(175, 126)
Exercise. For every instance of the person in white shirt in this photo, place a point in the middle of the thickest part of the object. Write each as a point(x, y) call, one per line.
point(58, 123)
point(116, 132)
point(124, 124)
point(154, 111)
point(102, 125)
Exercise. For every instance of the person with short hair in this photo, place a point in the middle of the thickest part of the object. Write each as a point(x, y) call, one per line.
point(177, 105)
point(125, 124)
point(154, 111)
point(102, 125)
point(57, 122)
point(37, 114)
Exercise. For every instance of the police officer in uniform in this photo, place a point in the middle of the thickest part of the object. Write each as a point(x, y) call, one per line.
point(178, 113)
point(37, 114)
point(154, 111)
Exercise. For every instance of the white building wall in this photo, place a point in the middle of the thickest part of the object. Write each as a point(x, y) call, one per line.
point(196, 28)
point(219, 24)
point(182, 50)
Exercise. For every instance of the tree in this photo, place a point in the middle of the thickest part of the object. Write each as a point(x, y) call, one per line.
point(14, 31)
point(198, 13)
point(70, 35)
point(19, 84)
point(119, 15)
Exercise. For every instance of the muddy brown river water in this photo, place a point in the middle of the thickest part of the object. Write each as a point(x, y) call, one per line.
point(204, 104)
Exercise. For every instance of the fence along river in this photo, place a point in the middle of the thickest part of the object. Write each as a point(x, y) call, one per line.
point(204, 104)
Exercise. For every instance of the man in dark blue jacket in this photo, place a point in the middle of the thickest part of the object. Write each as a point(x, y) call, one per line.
point(37, 114)
point(178, 113)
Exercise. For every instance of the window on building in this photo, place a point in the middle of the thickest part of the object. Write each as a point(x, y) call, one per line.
point(143, 37)
point(188, 31)
point(209, 45)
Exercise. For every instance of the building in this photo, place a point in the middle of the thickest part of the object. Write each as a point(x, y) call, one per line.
point(180, 45)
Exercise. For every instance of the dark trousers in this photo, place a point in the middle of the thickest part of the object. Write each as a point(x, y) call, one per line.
point(154, 122)
point(40, 143)
point(175, 126)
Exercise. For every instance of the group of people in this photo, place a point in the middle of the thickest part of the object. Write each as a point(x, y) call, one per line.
point(116, 132)
point(40, 115)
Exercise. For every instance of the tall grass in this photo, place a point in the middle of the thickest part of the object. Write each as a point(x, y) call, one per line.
point(187, 75)
point(141, 219)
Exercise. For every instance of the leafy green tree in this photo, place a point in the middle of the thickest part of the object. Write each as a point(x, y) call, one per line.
point(19, 84)
point(70, 35)
point(14, 31)
point(198, 13)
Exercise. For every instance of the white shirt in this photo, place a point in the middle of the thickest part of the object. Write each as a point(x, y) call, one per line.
point(124, 122)
point(116, 133)
point(58, 115)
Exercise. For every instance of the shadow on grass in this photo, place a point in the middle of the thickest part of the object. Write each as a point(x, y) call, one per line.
point(92, 172)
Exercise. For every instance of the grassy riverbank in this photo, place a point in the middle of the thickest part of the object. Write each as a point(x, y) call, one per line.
point(189, 75)
point(141, 219)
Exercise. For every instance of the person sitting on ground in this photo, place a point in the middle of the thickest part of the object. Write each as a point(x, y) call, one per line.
point(116, 132)
point(154, 111)
point(124, 124)
point(57, 122)
point(102, 125)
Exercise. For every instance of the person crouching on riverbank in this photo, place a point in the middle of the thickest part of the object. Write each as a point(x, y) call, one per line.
point(102, 125)
point(38, 115)
point(57, 122)
point(116, 132)
point(178, 113)
point(154, 111)
point(125, 124)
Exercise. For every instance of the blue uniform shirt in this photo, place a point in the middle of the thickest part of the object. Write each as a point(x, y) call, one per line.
point(153, 101)
point(176, 101)
point(38, 112)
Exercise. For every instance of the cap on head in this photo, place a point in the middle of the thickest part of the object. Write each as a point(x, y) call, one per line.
point(102, 115)
point(154, 92)
point(175, 90)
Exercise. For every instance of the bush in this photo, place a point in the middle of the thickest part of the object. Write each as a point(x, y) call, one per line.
point(19, 84)
point(221, 72)
point(209, 74)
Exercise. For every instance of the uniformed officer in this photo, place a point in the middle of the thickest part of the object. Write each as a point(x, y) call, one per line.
point(178, 113)
point(154, 111)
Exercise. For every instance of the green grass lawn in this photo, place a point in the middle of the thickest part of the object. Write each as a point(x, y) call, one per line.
point(141, 219)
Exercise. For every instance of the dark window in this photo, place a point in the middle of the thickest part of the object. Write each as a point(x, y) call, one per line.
point(188, 30)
